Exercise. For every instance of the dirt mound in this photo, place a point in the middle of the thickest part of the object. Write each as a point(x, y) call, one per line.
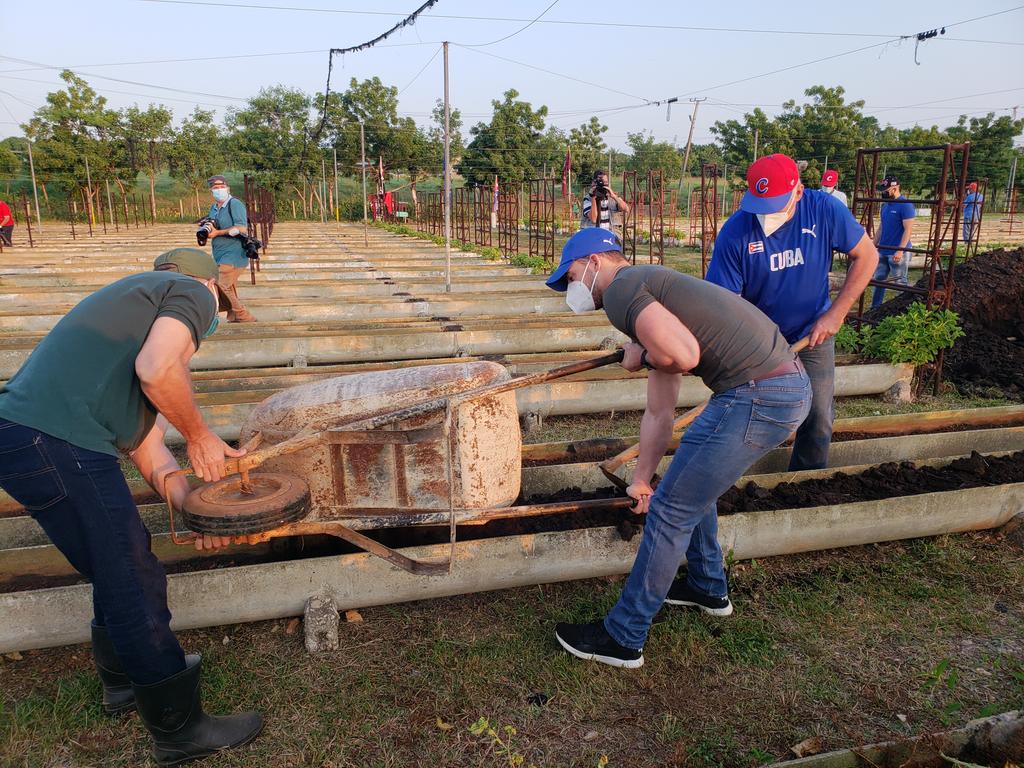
point(989, 297)
point(885, 481)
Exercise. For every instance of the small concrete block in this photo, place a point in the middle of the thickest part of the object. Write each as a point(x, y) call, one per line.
point(900, 392)
point(531, 421)
point(321, 624)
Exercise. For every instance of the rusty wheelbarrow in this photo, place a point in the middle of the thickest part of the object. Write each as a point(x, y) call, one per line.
point(336, 455)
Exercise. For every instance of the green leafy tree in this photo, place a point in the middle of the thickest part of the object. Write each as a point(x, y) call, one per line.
point(992, 149)
point(145, 133)
point(588, 148)
point(268, 134)
point(194, 153)
point(10, 159)
point(510, 145)
point(738, 139)
point(75, 131)
point(651, 155)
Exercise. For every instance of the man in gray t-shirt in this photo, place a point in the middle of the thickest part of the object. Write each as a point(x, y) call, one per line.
point(680, 324)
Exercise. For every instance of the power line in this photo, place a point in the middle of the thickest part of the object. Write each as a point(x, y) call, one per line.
point(550, 72)
point(566, 22)
point(521, 29)
point(422, 70)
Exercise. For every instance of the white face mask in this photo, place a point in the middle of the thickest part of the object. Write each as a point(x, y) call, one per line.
point(770, 222)
point(220, 194)
point(578, 297)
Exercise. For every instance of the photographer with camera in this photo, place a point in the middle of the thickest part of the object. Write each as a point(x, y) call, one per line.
point(600, 203)
point(226, 226)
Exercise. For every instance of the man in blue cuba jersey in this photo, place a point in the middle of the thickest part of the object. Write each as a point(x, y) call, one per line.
point(776, 252)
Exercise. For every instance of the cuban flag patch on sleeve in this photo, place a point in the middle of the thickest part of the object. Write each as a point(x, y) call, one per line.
point(755, 247)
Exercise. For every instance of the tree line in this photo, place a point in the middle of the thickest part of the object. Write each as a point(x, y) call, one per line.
point(285, 138)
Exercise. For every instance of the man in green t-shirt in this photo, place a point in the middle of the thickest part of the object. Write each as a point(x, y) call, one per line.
point(107, 380)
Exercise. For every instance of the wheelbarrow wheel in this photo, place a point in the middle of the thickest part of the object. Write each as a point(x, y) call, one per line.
point(223, 508)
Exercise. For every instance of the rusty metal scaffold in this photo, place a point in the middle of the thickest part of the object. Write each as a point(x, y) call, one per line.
point(484, 205)
point(629, 194)
point(656, 217)
point(708, 212)
point(541, 218)
point(944, 232)
point(463, 213)
point(508, 220)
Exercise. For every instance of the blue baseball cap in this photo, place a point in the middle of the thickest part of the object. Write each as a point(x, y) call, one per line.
point(579, 246)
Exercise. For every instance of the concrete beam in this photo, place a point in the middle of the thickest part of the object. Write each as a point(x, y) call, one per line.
point(61, 615)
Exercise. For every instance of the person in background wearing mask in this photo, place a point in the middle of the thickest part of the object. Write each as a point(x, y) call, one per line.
point(681, 324)
point(601, 203)
point(105, 381)
point(829, 179)
point(776, 252)
point(231, 219)
point(893, 236)
point(972, 211)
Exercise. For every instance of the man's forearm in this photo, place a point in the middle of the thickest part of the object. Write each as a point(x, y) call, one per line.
point(655, 433)
point(171, 395)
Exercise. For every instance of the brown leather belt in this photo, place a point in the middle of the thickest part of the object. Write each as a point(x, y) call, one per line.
point(790, 366)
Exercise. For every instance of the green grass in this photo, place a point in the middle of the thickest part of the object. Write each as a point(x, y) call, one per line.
point(832, 644)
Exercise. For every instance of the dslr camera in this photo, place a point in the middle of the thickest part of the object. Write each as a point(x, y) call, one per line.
point(251, 246)
point(600, 188)
point(206, 226)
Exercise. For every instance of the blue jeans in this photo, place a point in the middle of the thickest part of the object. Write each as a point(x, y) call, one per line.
point(968, 229)
point(735, 429)
point(80, 498)
point(814, 437)
point(889, 270)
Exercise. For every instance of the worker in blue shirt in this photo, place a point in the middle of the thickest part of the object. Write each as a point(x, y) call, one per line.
point(776, 252)
point(893, 237)
point(972, 211)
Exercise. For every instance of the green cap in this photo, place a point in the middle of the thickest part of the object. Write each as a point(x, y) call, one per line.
point(194, 263)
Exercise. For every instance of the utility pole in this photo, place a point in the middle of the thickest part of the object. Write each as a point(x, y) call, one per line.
point(447, 182)
point(757, 136)
point(610, 153)
point(337, 213)
point(689, 140)
point(362, 145)
point(35, 192)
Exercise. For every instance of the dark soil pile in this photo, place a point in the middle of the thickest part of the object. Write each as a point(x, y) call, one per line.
point(885, 481)
point(989, 297)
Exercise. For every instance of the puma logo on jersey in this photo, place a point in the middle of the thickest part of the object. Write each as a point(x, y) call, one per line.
point(806, 231)
point(788, 258)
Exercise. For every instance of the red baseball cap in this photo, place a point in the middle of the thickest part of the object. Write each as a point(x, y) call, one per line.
point(770, 183)
point(973, 186)
point(829, 178)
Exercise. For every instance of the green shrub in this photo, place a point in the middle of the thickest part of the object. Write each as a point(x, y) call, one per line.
point(915, 337)
point(538, 264)
point(847, 340)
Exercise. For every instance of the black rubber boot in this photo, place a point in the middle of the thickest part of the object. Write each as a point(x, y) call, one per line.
point(172, 711)
point(118, 696)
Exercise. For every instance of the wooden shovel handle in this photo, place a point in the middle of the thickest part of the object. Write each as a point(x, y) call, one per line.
point(612, 464)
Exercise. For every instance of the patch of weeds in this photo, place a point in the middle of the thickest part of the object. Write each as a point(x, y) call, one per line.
point(499, 740)
point(672, 730)
point(710, 752)
point(943, 678)
point(748, 642)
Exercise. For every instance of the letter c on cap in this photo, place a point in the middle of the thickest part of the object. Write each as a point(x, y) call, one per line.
point(761, 186)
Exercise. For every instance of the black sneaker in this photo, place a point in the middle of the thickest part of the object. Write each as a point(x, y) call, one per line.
point(592, 642)
point(682, 593)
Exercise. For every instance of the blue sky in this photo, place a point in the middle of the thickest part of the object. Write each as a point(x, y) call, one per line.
point(624, 65)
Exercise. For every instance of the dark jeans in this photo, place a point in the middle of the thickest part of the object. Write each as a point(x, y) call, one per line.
point(81, 499)
point(814, 437)
point(6, 233)
point(735, 429)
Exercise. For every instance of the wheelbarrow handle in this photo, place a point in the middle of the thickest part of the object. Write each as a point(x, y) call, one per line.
point(609, 466)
